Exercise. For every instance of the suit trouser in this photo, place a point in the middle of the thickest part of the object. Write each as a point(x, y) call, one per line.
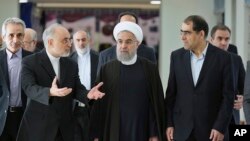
point(81, 117)
point(12, 124)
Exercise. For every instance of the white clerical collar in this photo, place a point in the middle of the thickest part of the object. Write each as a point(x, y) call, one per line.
point(52, 58)
point(130, 62)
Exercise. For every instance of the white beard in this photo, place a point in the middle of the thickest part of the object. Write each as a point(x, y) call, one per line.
point(82, 50)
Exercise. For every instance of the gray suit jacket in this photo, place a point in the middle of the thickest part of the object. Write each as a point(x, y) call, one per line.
point(246, 103)
point(5, 87)
point(4, 102)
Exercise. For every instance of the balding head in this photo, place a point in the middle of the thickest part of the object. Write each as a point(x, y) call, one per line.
point(30, 40)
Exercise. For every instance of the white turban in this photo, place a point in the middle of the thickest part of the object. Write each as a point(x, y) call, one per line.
point(131, 27)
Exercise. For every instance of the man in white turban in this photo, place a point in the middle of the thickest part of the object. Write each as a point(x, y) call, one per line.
point(133, 108)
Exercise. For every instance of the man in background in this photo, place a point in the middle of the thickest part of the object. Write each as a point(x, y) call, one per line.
point(220, 37)
point(87, 60)
point(30, 40)
point(13, 102)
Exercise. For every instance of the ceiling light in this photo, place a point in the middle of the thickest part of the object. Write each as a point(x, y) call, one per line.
point(23, 1)
point(155, 2)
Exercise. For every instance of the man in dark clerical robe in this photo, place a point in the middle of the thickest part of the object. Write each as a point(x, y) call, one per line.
point(133, 107)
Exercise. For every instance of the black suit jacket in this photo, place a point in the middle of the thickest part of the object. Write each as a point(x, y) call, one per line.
point(4, 97)
point(46, 115)
point(232, 48)
point(110, 54)
point(203, 107)
point(238, 73)
point(93, 61)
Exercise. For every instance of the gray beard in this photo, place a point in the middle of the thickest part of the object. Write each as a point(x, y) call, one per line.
point(66, 54)
point(125, 56)
point(82, 51)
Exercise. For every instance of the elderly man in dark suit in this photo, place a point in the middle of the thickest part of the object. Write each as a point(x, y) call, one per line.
point(51, 81)
point(143, 50)
point(200, 95)
point(13, 101)
point(87, 60)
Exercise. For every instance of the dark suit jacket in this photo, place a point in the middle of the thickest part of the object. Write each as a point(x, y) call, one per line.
point(4, 97)
point(246, 104)
point(93, 61)
point(232, 48)
point(46, 115)
point(238, 73)
point(203, 107)
point(239, 78)
point(110, 54)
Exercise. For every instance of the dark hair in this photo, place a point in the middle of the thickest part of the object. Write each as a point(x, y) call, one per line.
point(199, 23)
point(219, 27)
point(128, 13)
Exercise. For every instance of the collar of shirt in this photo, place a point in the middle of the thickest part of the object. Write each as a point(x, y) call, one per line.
point(203, 53)
point(130, 62)
point(18, 53)
point(52, 58)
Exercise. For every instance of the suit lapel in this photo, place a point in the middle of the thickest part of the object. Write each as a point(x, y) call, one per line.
point(208, 60)
point(46, 64)
point(63, 70)
point(5, 67)
point(187, 64)
point(92, 68)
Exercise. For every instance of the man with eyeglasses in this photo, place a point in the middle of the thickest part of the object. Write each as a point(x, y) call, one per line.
point(30, 40)
point(51, 82)
point(13, 101)
point(133, 108)
point(200, 95)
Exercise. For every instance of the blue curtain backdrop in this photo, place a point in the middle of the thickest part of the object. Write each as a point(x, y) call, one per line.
point(26, 10)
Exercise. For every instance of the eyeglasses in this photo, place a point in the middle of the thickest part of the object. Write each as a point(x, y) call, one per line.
point(67, 41)
point(126, 42)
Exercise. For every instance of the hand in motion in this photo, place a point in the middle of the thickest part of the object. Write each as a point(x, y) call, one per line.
point(153, 138)
point(216, 135)
point(60, 92)
point(94, 93)
point(238, 103)
point(170, 133)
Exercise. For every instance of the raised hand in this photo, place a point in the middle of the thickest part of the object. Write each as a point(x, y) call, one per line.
point(94, 93)
point(60, 92)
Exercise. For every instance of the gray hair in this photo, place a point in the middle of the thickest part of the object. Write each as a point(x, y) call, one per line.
point(87, 33)
point(49, 33)
point(32, 32)
point(12, 20)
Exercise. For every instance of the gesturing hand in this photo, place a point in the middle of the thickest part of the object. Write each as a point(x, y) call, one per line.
point(94, 93)
point(60, 92)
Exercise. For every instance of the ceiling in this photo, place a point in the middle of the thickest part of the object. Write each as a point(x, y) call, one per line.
point(91, 1)
point(143, 4)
